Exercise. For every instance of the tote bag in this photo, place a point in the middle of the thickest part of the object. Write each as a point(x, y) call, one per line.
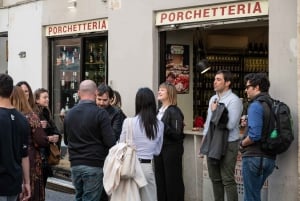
point(129, 156)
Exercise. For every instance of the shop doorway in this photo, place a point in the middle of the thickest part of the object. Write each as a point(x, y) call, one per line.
point(241, 48)
point(3, 53)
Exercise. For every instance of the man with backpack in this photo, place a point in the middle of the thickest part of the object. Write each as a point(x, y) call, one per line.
point(257, 164)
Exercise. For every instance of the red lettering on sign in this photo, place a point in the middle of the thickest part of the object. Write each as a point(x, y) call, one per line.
point(231, 10)
point(257, 8)
point(172, 17)
point(197, 14)
point(223, 10)
point(180, 16)
point(74, 27)
point(214, 10)
point(49, 30)
point(103, 25)
point(69, 28)
point(94, 25)
point(188, 14)
point(249, 8)
point(241, 9)
point(206, 12)
point(163, 16)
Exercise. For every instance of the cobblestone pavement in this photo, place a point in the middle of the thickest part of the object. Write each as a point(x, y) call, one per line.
point(52, 195)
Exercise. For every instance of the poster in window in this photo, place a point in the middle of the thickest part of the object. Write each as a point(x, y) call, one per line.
point(177, 67)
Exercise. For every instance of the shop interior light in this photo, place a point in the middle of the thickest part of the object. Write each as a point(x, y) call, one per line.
point(72, 4)
point(203, 66)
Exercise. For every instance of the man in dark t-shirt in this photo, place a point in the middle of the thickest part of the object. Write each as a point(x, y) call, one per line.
point(14, 161)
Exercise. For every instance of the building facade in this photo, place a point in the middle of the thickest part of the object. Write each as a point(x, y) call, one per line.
point(143, 41)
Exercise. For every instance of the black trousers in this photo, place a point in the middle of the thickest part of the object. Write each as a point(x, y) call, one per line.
point(168, 173)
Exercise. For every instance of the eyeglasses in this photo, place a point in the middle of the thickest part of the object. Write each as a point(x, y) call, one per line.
point(247, 86)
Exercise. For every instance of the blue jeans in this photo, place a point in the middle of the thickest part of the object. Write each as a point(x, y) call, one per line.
point(88, 182)
point(255, 171)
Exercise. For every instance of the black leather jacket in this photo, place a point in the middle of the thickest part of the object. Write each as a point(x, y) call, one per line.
point(173, 120)
point(116, 117)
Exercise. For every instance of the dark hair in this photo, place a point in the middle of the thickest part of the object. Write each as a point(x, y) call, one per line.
point(258, 79)
point(38, 92)
point(117, 101)
point(103, 88)
point(145, 107)
point(6, 85)
point(30, 99)
point(227, 76)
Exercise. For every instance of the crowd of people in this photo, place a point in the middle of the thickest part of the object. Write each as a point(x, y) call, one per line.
point(97, 122)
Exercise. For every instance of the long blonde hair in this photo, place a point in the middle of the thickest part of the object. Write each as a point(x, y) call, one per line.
point(19, 100)
point(171, 90)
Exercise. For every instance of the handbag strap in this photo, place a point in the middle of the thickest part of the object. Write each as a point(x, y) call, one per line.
point(129, 129)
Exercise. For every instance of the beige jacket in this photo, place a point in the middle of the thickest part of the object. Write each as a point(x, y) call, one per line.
point(114, 185)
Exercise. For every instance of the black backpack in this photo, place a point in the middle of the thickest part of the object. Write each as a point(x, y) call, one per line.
point(278, 135)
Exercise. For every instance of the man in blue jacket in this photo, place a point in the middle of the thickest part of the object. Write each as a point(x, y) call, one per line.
point(88, 134)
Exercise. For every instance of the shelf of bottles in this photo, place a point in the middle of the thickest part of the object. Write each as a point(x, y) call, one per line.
point(95, 60)
point(253, 60)
point(205, 82)
point(66, 76)
point(256, 59)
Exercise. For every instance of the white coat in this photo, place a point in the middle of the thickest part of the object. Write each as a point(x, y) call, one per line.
point(114, 185)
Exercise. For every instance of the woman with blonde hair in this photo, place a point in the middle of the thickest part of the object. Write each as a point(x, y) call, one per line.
point(168, 165)
point(37, 139)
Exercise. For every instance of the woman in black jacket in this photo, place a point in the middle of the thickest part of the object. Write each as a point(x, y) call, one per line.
point(41, 97)
point(168, 165)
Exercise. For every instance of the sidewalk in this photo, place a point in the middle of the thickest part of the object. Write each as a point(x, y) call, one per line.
point(60, 185)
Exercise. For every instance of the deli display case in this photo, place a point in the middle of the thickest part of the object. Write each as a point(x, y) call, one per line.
point(73, 60)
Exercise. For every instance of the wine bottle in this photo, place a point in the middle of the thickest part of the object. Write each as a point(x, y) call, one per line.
point(87, 75)
point(261, 51)
point(250, 49)
point(74, 81)
point(63, 80)
point(91, 56)
point(67, 106)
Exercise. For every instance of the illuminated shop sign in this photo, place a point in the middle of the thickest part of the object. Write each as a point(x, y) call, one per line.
point(77, 27)
point(213, 12)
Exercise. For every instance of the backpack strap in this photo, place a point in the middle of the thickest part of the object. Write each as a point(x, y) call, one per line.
point(266, 103)
point(266, 118)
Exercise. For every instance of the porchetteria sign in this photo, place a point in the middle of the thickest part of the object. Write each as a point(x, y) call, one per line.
point(77, 27)
point(213, 12)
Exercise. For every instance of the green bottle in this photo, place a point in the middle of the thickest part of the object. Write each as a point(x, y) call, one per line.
point(274, 134)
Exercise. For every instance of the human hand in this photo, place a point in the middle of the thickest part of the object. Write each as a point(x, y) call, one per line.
point(26, 192)
point(53, 138)
point(44, 123)
point(244, 121)
point(214, 105)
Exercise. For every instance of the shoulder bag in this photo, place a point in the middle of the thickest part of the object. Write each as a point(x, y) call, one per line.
point(54, 155)
point(129, 156)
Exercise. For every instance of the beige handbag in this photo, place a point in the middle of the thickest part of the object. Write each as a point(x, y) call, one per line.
point(129, 157)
